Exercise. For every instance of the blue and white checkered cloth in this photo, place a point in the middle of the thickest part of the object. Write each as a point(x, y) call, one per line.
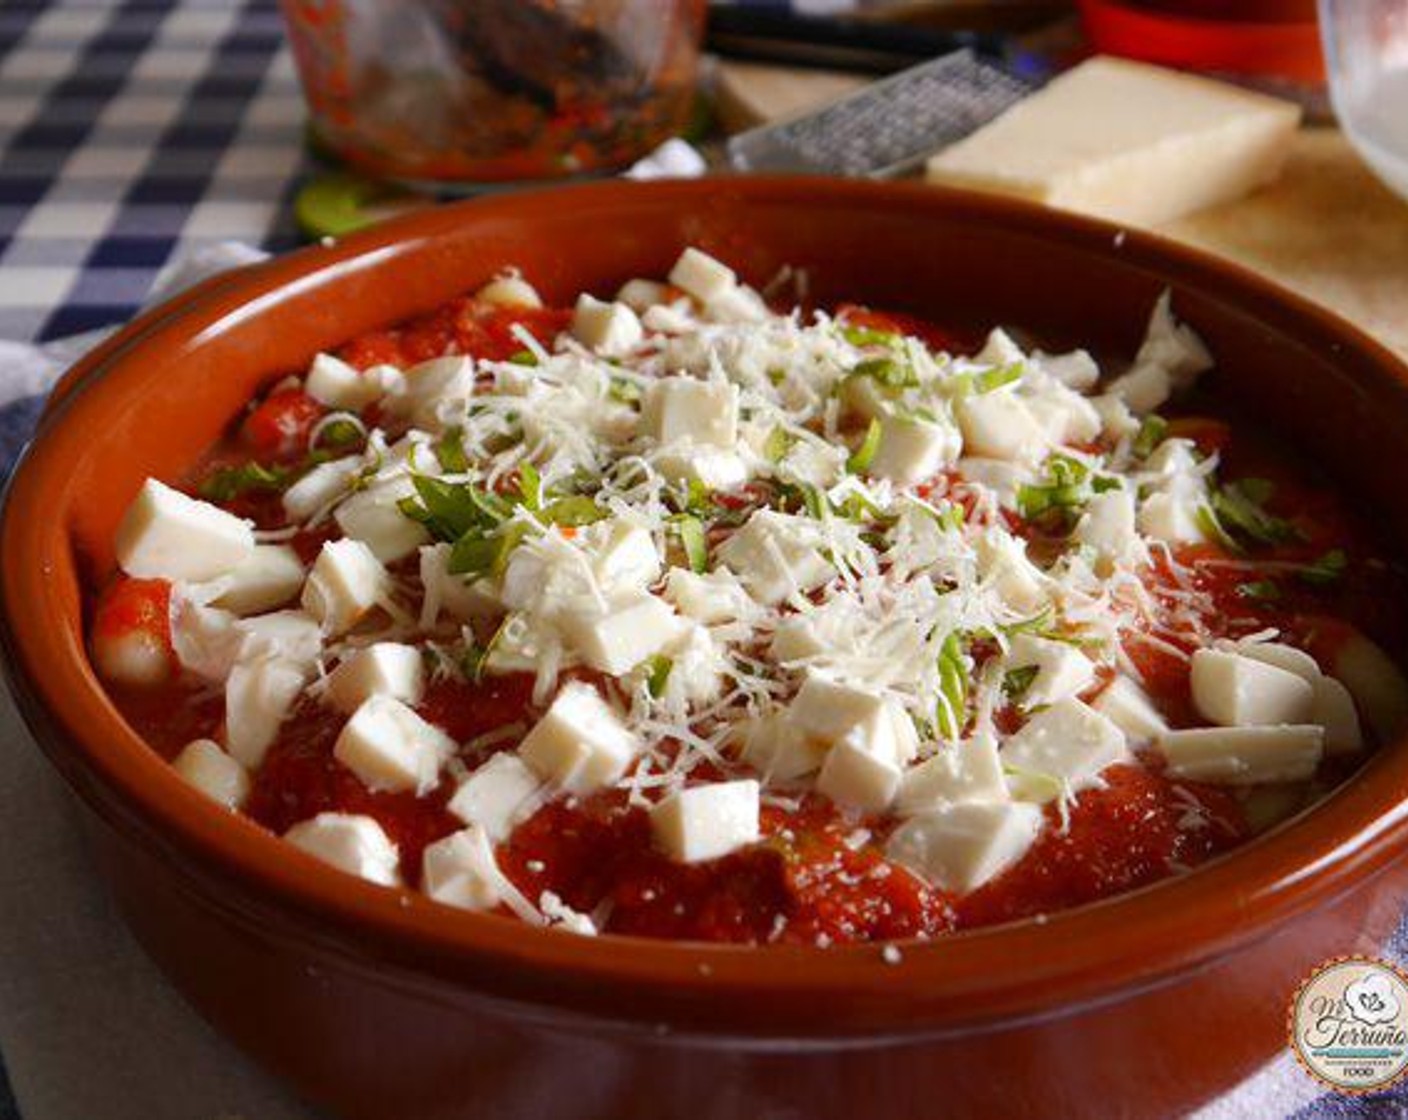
point(132, 134)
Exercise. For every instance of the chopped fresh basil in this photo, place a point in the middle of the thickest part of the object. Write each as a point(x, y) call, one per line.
point(657, 674)
point(953, 687)
point(871, 336)
point(1239, 509)
point(779, 443)
point(1260, 590)
point(573, 512)
point(449, 451)
point(692, 539)
point(1152, 432)
point(524, 358)
point(1016, 681)
point(228, 483)
point(1327, 569)
point(864, 455)
point(338, 435)
point(530, 486)
point(889, 372)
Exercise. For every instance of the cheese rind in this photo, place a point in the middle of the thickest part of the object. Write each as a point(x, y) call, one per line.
point(1126, 141)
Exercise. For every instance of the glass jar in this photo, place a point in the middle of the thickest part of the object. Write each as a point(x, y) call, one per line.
point(490, 92)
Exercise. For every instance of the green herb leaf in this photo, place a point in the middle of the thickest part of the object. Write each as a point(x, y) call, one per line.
point(991, 379)
point(228, 483)
point(476, 656)
point(888, 372)
point(623, 391)
point(479, 554)
point(778, 444)
point(449, 451)
point(1016, 681)
point(573, 512)
point(1238, 506)
point(814, 502)
point(951, 518)
point(530, 486)
point(1152, 432)
point(953, 687)
point(339, 435)
point(861, 458)
point(870, 336)
point(1327, 569)
point(692, 539)
point(657, 674)
point(524, 358)
point(1261, 590)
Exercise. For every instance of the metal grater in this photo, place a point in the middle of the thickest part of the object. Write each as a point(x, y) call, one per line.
point(887, 128)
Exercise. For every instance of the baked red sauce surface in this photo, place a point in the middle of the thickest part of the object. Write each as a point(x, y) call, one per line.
point(819, 875)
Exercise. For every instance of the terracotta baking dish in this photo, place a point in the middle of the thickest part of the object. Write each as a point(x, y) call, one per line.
point(380, 1004)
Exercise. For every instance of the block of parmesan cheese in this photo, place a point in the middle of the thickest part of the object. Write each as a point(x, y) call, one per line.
point(1128, 142)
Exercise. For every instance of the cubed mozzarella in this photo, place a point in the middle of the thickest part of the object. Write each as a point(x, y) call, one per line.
point(1064, 415)
point(967, 771)
point(1003, 563)
point(204, 639)
point(293, 636)
point(999, 349)
point(1108, 526)
point(1243, 756)
point(390, 748)
point(1076, 370)
point(912, 450)
point(1282, 656)
point(1171, 518)
point(1143, 389)
point(1376, 683)
point(715, 467)
point(1059, 750)
point(203, 765)
point(960, 847)
point(797, 638)
point(620, 638)
point(829, 712)
point(641, 295)
point(448, 593)
point(777, 557)
point(167, 535)
point(624, 556)
point(509, 290)
point(355, 844)
point(500, 795)
point(779, 750)
point(435, 392)
point(1129, 708)
point(855, 776)
point(382, 669)
point(267, 580)
point(1237, 691)
point(374, 517)
point(706, 822)
point(259, 694)
point(321, 486)
point(703, 277)
point(346, 582)
point(669, 318)
point(999, 425)
point(710, 598)
point(1061, 669)
point(739, 304)
point(579, 744)
point(688, 410)
point(461, 871)
point(1333, 709)
point(612, 329)
point(1116, 420)
point(696, 667)
point(334, 383)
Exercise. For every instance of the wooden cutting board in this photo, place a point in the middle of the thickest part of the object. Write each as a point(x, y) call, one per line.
point(1327, 229)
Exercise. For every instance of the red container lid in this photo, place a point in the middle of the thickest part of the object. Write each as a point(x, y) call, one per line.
point(1277, 38)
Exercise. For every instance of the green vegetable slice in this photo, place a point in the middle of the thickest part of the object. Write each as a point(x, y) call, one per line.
point(228, 483)
point(953, 687)
point(690, 531)
point(864, 455)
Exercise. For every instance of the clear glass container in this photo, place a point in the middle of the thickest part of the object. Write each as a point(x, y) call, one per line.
point(490, 92)
point(1366, 54)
